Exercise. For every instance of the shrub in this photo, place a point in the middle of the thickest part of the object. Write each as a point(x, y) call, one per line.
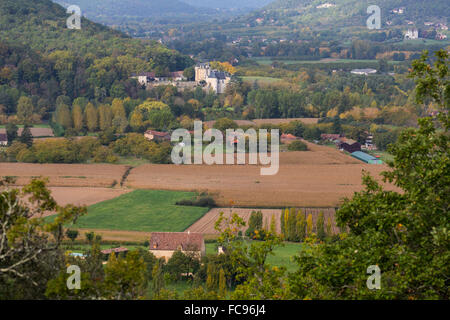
point(298, 146)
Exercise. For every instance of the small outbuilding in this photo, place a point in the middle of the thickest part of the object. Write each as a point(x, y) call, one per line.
point(367, 158)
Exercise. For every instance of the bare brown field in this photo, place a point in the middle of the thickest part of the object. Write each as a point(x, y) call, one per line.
point(65, 175)
point(116, 235)
point(206, 224)
point(36, 132)
point(85, 196)
point(317, 178)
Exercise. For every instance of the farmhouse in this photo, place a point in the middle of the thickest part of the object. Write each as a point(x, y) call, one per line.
point(164, 244)
point(330, 136)
point(3, 139)
point(153, 135)
point(350, 146)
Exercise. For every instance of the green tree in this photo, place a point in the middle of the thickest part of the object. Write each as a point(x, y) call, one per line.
point(26, 136)
point(24, 110)
point(158, 277)
point(11, 133)
point(29, 254)
point(125, 277)
point(72, 234)
point(406, 234)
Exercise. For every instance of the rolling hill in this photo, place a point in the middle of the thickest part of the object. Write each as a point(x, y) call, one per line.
point(345, 13)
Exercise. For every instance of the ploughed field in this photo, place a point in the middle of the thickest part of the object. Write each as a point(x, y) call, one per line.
point(321, 177)
point(66, 175)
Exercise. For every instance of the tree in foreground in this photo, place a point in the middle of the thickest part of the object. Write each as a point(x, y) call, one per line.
point(405, 234)
point(30, 252)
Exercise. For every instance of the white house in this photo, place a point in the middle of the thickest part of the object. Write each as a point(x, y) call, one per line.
point(365, 72)
point(3, 139)
point(412, 34)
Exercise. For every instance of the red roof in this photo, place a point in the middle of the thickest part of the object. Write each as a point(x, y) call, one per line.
point(331, 136)
point(157, 133)
point(177, 74)
point(172, 241)
point(288, 136)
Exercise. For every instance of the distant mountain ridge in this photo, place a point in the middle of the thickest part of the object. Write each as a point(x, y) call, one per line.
point(132, 8)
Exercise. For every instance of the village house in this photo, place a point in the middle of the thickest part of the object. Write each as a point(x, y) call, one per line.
point(146, 78)
point(349, 146)
point(332, 137)
point(365, 72)
point(152, 135)
point(412, 34)
point(164, 244)
point(3, 139)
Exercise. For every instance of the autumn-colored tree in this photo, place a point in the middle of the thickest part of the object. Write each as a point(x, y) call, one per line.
point(63, 116)
point(78, 118)
point(91, 115)
point(329, 227)
point(309, 225)
point(301, 226)
point(105, 117)
point(273, 226)
point(222, 284)
point(320, 227)
point(118, 108)
point(223, 66)
point(137, 121)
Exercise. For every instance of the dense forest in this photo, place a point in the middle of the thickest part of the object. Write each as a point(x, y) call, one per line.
point(43, 59)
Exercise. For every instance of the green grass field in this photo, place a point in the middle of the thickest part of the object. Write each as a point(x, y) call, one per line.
point(283, 255)
point(143, 210)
